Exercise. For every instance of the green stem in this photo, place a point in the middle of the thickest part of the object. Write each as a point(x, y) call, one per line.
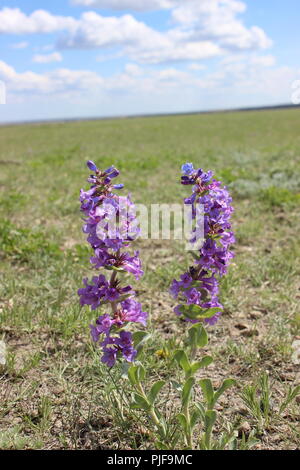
point(124, 395)
point(151, 411)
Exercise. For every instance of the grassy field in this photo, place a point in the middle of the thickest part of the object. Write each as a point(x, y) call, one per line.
point(54, 392)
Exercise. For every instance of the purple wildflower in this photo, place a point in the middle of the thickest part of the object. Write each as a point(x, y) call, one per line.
point(199, 286)
point(111, 225)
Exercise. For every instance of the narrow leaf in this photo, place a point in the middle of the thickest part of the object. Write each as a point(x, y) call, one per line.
point(208, 391)
point(132, 375)
point(182, 359)
point(205, 361)
point(155, 389)
point(140, 402)
point(187, 391)
point(196, 415)
point(182, 420)
point(201, 410)
point(225, 385)
point(140, 373)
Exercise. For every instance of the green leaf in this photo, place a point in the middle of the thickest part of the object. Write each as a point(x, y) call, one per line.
point(198, 335)
point(182, 359)
point(194, 312)
point(202, 337)
point(140, 402)
point(201, 410)
point(136, 374)
point(155, 389)
point(140, 373)
point(205, 361)
point(139, 340)
point(193, 336)
point(208, 391)
point(195, 416)
point(132, 375)
point(183, 422)
point(187, 391)
point(140, 337)
point(161, 420)
point(225, 385)
point(291, 395)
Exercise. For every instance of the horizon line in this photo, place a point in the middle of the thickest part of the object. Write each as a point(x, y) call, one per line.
point(150, 115)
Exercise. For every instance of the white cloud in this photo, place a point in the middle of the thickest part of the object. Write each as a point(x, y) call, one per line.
point(253, 76)
point(265, 60)
point(96, 31)
point(200, 30)
point(47, 58)
point(139, 41)
point(243, 60)
point(145, 89)
point(14, 21)
point(20, 45)
point(190, 12)
point(170, 52)
point(55, 82)
point(195, 66)
point(133, 69)
point(217, 20)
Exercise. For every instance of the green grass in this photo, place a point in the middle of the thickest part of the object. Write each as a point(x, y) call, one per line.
point(54, 392)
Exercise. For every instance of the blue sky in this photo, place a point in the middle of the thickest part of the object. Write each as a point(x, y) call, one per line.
point(88, 58)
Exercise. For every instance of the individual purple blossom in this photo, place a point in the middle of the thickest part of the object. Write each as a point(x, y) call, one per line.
point(110, 225)
point(109, 356)
point(199, 285)
point(125, 344)
point(120, 345)
point(132, 311)
point(112, 294)
point(92, 294)
point(187, 168)
point(91, 165)
point(103, 325)
point(132, 264)
point(186, 280)
point(193, 296)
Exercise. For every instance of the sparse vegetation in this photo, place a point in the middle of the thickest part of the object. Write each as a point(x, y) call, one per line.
point(54, 393)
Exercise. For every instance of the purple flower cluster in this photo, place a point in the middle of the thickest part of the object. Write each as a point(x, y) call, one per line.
point(199, 286)
point(111, 225)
